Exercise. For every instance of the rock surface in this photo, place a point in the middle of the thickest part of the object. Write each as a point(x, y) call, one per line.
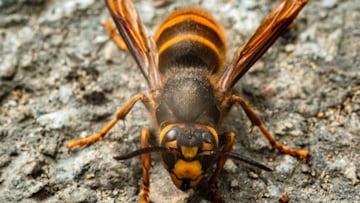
point(61, 76)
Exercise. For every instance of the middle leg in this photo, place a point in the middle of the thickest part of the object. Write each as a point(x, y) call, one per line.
point(109, 26)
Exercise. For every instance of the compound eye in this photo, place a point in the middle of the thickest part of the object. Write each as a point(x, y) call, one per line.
point(171, 135)
point(208, 138)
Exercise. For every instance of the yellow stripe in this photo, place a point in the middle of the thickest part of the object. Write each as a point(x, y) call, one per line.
point(200, 20)
point(192, 37)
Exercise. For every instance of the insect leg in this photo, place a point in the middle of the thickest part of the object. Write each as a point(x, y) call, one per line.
point(228, 139)
point(109, 25)
point(120, 115)
point(145, 158)
point(255, 120)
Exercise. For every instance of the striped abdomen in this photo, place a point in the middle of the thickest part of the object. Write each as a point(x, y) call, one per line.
point(190, 37)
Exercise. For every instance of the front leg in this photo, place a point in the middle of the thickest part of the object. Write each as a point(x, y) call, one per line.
point(228, 139)
point(120, 115)
point(146, 161)
point(255, 120)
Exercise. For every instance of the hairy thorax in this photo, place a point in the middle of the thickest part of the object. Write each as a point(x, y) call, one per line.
point(187, 97)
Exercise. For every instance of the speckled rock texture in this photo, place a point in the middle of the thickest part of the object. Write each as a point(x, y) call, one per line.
point(62, 78)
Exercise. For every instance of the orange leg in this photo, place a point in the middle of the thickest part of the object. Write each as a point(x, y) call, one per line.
point(120, 115)
point(145, 158)
point(109, 25)
point(255, 120)
point(229, 141)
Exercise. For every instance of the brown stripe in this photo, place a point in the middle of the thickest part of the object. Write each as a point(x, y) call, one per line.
point(194, 52)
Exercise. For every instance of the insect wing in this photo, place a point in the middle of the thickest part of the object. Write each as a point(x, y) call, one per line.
point(273, 26)
point(131, 29)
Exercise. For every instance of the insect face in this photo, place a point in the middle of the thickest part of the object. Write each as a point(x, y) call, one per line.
point(188, 165)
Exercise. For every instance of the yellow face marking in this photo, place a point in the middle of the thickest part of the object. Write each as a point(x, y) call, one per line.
point(186, 170)
point(171, 144)
point(189, 152)
point(207, 146)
